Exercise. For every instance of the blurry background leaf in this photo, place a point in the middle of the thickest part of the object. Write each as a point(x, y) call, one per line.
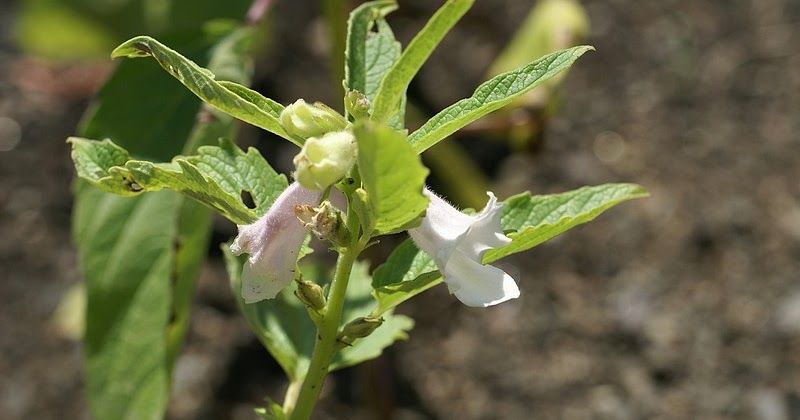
point(68, 29)
point(140, 256)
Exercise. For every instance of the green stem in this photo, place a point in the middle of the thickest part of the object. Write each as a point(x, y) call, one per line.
point(326, 345)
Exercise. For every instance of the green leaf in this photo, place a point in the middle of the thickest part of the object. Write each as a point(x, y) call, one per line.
point(397, 79)
point(530, 220)
point(406, 273)
point(140, 256)
point(371, 53)
point(217, 176)
point(535, 219)
point(126, 257)
point(361, 20)
point(492, 95)
point(202, 83)
point(393, 177)
point(359, 302)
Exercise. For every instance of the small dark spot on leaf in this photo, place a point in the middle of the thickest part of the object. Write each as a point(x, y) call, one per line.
point(247, 199)
point(143, 47)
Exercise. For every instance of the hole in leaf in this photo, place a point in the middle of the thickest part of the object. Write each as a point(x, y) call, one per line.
point(247, 199)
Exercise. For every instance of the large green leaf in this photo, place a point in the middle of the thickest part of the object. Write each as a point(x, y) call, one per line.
point(397, 79)
point(140, 256)
point(70, 29)
point(393, 177)
point(217, 176)
point(491, 95)
point(533, 219)
point(529, 221)
point(235, 101)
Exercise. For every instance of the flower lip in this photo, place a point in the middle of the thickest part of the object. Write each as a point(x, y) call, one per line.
point(457, 241)
point(273, 242)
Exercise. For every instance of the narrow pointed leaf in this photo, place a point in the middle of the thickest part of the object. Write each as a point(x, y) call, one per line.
point(202, 83)
point(492, 95)
point(395, 84)
point(533, 219)
point(530, 220)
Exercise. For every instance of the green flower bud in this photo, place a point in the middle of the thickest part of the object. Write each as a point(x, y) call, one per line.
point(310, 294)
point(325, 160)
point(357, 104)
point(359, 328)
point(303, 120)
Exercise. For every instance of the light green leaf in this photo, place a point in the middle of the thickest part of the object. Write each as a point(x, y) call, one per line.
point(359, 302)
point(217, 176)
point(535, 219)
point(397, 79)
point(406, 273)
point(492, 95)
point(392, 175)
point(94, 160)
point(361, 20)
point(140, 256)
point(201, 82)
point(370, 54)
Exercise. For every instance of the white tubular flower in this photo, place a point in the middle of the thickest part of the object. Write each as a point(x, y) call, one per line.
point(273, 242)
point(457, 241)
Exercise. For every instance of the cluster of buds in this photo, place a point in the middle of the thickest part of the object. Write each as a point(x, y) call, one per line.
point(329, 149)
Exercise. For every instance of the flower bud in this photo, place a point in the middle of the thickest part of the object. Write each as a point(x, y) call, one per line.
point(325, 221)
point(303, 120)
point(325, 160)
point(359, 328)
point(357, 104)
point(310, 294)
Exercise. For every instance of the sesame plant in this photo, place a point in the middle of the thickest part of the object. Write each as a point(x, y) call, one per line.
point(357, 177)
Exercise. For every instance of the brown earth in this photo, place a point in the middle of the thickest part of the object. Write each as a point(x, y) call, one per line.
point(684, 305)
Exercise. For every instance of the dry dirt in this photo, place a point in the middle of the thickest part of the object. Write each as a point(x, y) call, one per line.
point(684, 305)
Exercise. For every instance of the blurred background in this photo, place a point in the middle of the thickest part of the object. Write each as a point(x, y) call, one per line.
point(683, 305)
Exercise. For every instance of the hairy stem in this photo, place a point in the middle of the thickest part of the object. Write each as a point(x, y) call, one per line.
point(325, 346)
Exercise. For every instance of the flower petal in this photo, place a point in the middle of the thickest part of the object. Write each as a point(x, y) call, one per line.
point(478, 285)
point(457, 241)
point(273, 242)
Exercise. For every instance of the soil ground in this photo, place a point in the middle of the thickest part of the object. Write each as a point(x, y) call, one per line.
point(684, 305)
